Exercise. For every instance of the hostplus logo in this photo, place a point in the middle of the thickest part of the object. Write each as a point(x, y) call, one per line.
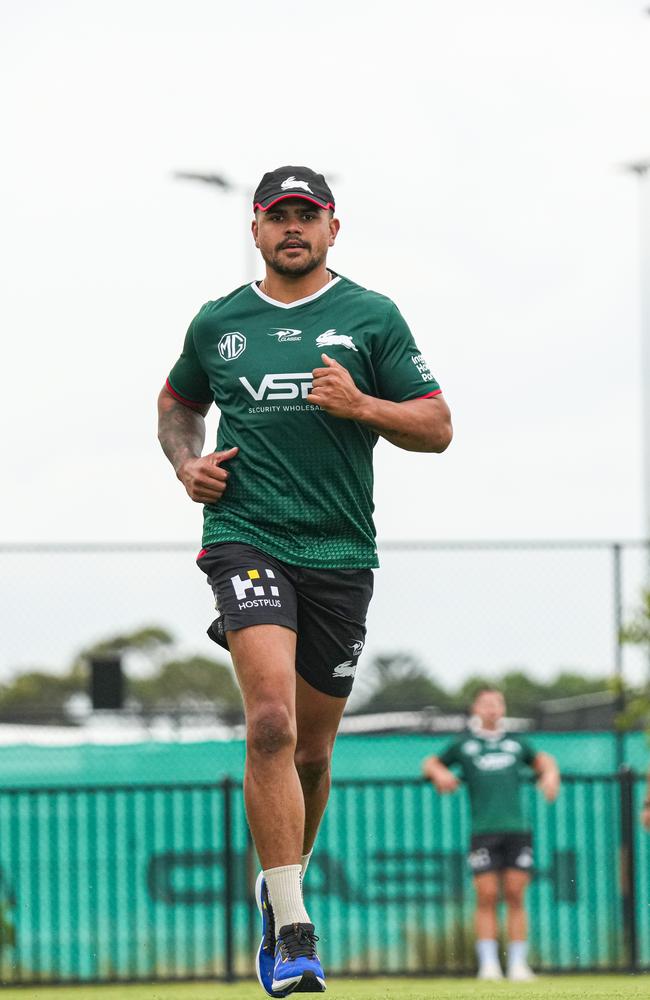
point(284, 334)
point(258, 598)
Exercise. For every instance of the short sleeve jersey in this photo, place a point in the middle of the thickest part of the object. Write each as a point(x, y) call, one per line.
point(301, 486)
point(492, 769)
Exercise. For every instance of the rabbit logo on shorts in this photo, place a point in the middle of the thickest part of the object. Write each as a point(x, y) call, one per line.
point(348, 667)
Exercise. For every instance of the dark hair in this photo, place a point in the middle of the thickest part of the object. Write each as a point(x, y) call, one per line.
point(487, 689)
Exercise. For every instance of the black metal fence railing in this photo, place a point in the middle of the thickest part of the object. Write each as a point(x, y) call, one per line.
point(155, 882)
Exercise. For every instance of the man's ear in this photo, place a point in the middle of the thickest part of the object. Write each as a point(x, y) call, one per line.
point(335, 225)
point(254, 231)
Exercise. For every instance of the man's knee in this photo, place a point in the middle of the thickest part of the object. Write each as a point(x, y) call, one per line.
point(270, 731)
point(312, 765)
point(487, 896)
point(514, 896)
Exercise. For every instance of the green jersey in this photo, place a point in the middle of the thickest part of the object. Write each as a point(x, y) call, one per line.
point(300, 487)
point(492, 769)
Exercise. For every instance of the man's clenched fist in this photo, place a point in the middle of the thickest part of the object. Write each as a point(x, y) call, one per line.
point(204, 478)
point(334, 390)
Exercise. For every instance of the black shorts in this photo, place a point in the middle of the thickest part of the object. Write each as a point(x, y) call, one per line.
point(494, 852)
point(325, 607)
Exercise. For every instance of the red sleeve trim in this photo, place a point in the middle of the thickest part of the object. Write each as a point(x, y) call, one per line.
point(428, 395)
point(193, 404)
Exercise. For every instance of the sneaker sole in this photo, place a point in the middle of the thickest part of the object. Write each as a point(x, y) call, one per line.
point(258, 900)
point(308, 983)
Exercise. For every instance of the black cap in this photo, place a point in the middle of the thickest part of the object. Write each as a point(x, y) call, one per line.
point(292, 182)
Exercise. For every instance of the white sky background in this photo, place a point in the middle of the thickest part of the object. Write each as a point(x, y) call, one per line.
point(476, 149)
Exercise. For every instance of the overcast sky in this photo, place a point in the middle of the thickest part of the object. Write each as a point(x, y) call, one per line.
point(475, 150)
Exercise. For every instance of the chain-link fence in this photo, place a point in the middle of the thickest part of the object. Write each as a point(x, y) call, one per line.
point(461, 608)
point(156, 882)
point(150, 881)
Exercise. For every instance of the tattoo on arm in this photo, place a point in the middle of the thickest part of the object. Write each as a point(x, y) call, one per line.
point(181, 430)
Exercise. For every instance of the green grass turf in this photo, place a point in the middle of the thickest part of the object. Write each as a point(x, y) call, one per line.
point(544, 988)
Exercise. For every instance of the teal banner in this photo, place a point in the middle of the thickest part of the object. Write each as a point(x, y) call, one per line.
point(155, 881)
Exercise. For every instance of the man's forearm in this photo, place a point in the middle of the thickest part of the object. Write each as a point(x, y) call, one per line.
point(181, 430)
point(415, 425)
point(432, 767)
point(545, 764)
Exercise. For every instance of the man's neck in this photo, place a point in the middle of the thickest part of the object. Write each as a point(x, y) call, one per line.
point(487, 729)
point(284, 288)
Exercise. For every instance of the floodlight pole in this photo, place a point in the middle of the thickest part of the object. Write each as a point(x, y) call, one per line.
point(641, 169)
point(245, 192)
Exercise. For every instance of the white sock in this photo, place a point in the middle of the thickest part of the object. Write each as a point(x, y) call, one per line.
point(517, 953)
point(285, 891)
point(487, 951)
point(304, 862)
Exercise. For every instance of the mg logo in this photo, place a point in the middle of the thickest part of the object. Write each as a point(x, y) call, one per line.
point(231, 346)
point(289, 385)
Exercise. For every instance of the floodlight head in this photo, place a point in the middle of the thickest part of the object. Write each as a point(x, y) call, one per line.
point(216, 179)
point(638, 167)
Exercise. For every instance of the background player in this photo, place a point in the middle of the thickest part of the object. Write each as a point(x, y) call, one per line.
point(501, 858)
point(307, 369)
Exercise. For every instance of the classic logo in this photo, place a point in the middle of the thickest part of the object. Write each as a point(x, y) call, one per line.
point(332, 337)
point(284, 333)
point(291, 182)
point(231, 345)
point(289, 385)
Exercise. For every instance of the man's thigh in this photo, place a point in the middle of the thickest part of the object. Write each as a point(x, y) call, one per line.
point(318, 717)
point(515, 883)
point(264, 659)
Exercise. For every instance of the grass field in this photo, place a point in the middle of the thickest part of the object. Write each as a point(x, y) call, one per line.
point(545, 988)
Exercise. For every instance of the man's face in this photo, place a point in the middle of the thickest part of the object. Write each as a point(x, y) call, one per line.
point(294, 236)
point(490, 707)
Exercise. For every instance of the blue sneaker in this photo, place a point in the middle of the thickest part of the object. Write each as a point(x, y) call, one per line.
point(265, 958)
point(297, 967)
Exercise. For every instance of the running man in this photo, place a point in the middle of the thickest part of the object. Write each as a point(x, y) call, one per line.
point(501, 855)
point(307, 369)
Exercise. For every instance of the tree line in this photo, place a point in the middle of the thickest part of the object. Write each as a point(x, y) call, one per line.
point(159, 680)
